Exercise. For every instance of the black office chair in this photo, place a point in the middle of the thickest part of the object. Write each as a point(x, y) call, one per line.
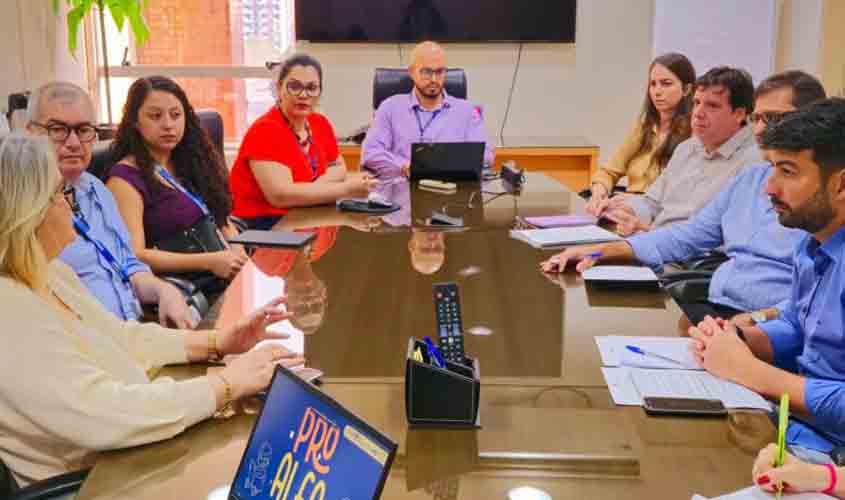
point(42, 490)
point(388, 82)
point(212, 123)
point(102, 160)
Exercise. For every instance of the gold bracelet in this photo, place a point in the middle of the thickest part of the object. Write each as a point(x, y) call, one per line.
point(213, 353)
point(225, 410)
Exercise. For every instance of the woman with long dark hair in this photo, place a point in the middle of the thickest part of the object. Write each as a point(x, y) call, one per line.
point(171, 184)
point(664, 123)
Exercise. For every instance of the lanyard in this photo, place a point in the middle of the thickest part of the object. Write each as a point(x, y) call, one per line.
point(309, 153)
point(82, 229)
point(419, 121)
point(172, 181)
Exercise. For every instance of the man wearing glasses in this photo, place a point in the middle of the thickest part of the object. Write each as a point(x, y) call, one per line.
point(427, 114)
point(754, 284)
point(102, 255)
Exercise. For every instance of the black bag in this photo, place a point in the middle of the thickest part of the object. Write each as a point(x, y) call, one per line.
point(202, 237)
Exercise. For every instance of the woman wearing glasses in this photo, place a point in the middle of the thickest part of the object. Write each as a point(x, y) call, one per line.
point(171, 187)
point(77, 377)
point(289, 156)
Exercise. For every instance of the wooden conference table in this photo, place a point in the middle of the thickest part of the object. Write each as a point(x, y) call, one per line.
point(548, 421)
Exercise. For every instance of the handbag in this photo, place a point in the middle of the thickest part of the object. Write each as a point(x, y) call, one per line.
point(201, 237)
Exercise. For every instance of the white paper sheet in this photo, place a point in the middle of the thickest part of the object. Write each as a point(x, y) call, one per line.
point(614, 353)
point(563, 236)
point(637, 274)
point(755, 493)
point(628, 386)
point(695, 385)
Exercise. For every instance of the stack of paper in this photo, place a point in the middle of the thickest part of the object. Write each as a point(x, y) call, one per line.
point(562, 221)
point(621, 275)
point(563, 236)
point(755, 493)
point(672, 373)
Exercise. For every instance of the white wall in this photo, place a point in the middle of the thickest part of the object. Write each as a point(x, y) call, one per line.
point(799, 43)
point(593, 88)
point(33, 47)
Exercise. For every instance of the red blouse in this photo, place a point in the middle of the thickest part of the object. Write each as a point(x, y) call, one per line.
point(270, 138)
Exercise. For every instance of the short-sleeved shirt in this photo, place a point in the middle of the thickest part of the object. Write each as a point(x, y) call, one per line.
point(167, 211)
point(270, 138)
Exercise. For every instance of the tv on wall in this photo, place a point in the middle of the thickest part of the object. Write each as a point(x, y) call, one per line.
point(391, 21)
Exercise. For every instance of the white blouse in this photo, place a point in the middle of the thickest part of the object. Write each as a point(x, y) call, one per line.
point(70, 388)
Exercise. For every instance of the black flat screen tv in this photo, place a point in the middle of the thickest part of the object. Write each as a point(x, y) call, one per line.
point(391, 21)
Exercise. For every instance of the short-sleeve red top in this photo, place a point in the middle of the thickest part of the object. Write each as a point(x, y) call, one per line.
point(270, 138)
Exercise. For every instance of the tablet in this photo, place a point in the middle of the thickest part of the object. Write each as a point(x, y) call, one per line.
point(282, 239)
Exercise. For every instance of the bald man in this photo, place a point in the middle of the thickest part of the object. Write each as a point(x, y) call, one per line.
point(426, 114)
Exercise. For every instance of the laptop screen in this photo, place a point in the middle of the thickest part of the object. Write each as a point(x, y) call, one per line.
point(305, 445)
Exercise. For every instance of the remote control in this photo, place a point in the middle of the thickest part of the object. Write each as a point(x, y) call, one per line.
point(447, 307)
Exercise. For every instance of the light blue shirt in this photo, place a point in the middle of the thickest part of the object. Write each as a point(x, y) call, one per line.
point(400, 121)
point(106, 226)
point(809, 339)
point(758, 273)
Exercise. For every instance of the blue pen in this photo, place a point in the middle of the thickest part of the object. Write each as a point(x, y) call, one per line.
point(594, 255)
point(435, 352)
point(642, 352)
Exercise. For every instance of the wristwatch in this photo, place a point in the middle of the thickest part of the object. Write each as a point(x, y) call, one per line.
point(759, 317)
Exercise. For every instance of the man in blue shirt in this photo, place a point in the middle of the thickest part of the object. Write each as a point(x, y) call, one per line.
point(740, 219)
point(803, 352)
point(101, 255)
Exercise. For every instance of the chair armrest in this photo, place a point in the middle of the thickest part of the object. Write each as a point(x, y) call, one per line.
point(53, 487)
point(669, 279)
point(689, 290)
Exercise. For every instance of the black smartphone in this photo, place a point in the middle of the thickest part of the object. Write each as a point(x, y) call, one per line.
point(684, 407)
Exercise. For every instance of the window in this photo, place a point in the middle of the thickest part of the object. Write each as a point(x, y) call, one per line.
point(215, 49)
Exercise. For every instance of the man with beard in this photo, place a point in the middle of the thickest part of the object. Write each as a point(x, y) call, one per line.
point(803, 352)
point(426, 114)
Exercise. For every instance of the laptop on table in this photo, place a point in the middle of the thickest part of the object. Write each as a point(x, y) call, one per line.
point(306, 445)
point(447, 161)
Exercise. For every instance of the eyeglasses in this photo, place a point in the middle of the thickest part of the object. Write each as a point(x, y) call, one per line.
point(296, 88)
point(430, 73)
point(768, 117)
point(59, 132)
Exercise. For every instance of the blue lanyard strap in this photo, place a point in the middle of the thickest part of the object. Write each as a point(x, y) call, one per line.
point(82, 229)
point(419, 121)
point(172, 181)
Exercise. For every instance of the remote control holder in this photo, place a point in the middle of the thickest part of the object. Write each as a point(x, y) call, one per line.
point(441, 397)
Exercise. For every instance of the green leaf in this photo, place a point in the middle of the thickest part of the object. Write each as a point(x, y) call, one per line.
point(74, 20)
point(138, 23)
point(118, 12)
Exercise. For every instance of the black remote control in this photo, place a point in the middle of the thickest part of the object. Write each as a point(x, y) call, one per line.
point(450, 331)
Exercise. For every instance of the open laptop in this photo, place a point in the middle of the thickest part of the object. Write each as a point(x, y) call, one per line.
point(304, 444)
point(447, 161)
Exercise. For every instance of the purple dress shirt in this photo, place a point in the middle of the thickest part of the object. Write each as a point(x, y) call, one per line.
point(400, 121)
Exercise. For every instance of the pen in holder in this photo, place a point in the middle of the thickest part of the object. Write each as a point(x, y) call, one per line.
point(440, 397)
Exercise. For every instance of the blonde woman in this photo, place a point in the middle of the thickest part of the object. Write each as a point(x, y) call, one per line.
point(77, 379)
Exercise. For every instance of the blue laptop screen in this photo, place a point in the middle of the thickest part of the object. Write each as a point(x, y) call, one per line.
point(304, 445)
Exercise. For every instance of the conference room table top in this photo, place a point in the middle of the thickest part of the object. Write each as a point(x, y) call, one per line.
point(364, 286)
